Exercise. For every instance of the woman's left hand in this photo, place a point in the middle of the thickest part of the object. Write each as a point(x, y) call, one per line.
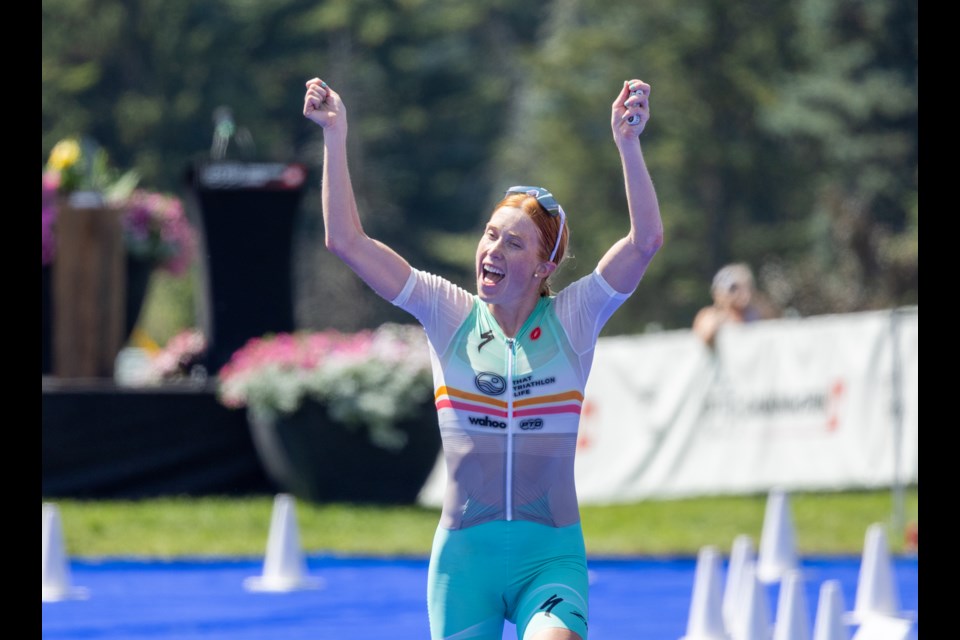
point(631, 110)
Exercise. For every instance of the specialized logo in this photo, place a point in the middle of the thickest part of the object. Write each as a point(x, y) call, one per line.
point(490, 383)
point(487, 421)
point(550, 603)
point(535, 334)
point(487, 337)
point(531, 424)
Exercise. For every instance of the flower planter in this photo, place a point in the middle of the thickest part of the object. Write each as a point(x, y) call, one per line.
point(138, 274)
point(320, 460)
point(89, 284)
point(101, 238)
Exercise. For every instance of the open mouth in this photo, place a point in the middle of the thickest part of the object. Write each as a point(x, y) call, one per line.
point(491, 274)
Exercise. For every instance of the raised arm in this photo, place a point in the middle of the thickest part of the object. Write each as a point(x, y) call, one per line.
point(384, 270)
point(626, 261)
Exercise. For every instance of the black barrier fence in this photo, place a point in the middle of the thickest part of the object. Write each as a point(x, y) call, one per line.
point(99, 440)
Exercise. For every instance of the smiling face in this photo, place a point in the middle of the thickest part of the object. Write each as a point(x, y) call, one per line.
point(510, 264)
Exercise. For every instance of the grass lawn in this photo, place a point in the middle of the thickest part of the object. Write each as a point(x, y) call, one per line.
point(824, 524)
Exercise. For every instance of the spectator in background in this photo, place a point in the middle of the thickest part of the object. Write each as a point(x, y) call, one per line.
point(734, 301)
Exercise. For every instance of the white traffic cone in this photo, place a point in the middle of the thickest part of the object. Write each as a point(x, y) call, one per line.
point(705, 620)
point(55, 571)
point(778, 552)
point(742, 554)
point(876, 589)
point(284, 568)
point(792, 622)
point(877, 606)
point(828, 623)
point(885, 628)
point(753, 609)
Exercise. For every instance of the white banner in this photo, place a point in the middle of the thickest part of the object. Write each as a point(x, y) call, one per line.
point(819, 403)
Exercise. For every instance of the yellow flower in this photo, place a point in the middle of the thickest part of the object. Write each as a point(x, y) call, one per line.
point(82, 165)
point(64, 155)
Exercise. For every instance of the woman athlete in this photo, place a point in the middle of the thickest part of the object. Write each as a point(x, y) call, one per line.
point(510, 365)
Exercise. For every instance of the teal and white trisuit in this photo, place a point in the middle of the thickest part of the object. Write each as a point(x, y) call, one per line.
point(509, 544)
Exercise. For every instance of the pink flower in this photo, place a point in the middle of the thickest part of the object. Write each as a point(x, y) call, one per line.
point(156, 229)
point(368, 376)
point(50, 182)
point(179, 354)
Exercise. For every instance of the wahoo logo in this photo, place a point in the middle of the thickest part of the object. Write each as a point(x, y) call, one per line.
point(487, 421)
point(487, 337)
point(531, 424)
point(490, 383)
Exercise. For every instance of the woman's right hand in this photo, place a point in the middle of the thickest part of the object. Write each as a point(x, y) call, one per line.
point(322, 105)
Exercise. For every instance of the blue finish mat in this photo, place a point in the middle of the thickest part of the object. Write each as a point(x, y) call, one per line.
point(373, 599)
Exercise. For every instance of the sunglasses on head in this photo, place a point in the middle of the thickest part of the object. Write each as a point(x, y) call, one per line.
point(549, 203)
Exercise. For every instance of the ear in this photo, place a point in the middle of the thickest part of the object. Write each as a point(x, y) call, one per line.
point(544, 269)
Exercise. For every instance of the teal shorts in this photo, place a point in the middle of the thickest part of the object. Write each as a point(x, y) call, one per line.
point(533, 575)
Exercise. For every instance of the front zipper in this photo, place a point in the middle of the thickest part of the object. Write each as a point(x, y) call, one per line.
point(508, 467)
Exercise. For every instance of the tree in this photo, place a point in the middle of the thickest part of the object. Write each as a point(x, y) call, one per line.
point(784, 135)
point(851, 107)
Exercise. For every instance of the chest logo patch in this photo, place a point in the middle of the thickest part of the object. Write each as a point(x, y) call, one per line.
point(490, 383)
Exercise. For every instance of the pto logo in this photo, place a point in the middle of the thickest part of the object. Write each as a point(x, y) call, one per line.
point(490, 383)
point(531, 424)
